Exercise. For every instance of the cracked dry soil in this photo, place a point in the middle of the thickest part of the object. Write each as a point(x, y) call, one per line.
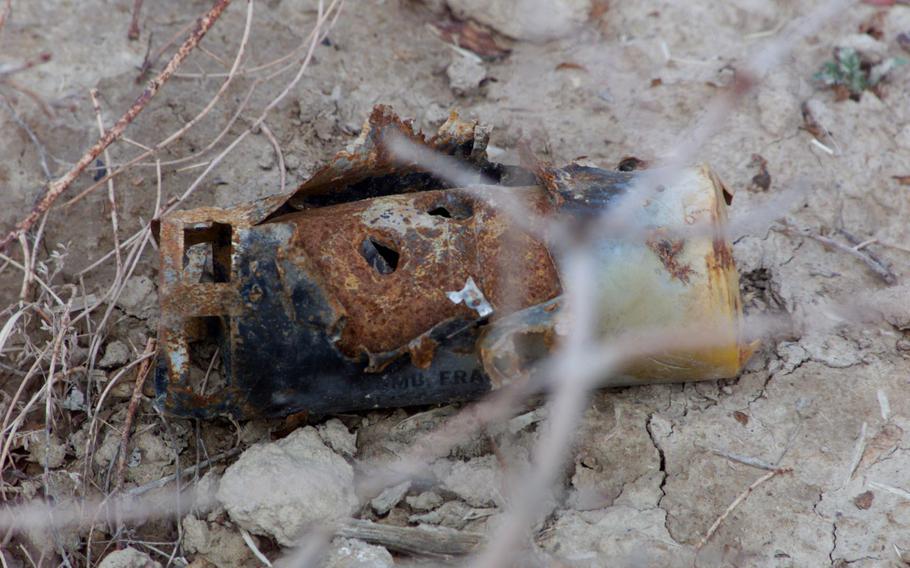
point(647, 477)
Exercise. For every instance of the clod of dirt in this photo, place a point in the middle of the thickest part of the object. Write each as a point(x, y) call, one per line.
point(103, 454)
point(152, 453)
point(465, 74)
point(138, 298)
point(46, 452)
point(391, 496)
point(534, 20)
point(336, 436)
point(351, 553)
point(280, 488)
point(426, 501)
point(115, 355)
point(75, 400)
point(217, 544)
point(128, 558)
point(477, 481)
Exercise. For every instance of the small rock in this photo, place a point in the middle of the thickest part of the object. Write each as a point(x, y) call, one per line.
point(465, 74)
point(138, 297)
point(291, 162)
point(426, 501)
point(266, 160)
point(46, 452)
point(152, 453)
point(74, 400)
point(336, 436)
point(107, 451)
point(351, 553)
point(115, 355)
point(386, 501)
point(280, 488)
point(534, 20)
point(864, 500)
point(792, 355)
point(128, 558)
point(476, 481)
point(217, 544)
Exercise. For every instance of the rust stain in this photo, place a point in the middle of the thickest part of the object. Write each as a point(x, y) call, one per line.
point(667, 251)
point(422, 351)
point(387, 309)
point(723, 255)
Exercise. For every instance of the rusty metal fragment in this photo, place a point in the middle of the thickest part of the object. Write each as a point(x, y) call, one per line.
point(375, 284)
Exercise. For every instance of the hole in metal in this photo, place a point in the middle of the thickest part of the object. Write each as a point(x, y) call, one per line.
point(440, 212)
point(207, 253)
point(453, 207)
point(382, 258)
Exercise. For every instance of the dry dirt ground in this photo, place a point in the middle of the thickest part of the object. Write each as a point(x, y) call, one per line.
point(652, 467)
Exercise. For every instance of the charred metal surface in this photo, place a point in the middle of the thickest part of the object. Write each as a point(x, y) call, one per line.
point(374, 284)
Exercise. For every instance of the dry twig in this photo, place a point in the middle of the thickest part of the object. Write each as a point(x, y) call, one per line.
point(736, 502)
point(133, 32)
point(874, 264)
point(141, 375)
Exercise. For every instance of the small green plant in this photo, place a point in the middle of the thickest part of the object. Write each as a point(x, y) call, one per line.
point(845, 70)
point(850, 74)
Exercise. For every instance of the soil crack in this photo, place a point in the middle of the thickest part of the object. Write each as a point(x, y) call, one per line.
point(662, 466)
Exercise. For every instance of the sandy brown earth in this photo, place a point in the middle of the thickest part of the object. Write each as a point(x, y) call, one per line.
point(653, 467)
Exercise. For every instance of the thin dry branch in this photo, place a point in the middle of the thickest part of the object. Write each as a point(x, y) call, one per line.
point(874, 264)
point(184, 472)
point(58, 186)
point(111, 194)
point(736, 502)
point(141, 375)
point(133, 32)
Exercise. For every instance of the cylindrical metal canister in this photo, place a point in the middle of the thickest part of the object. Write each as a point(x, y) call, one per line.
point(376, 284)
